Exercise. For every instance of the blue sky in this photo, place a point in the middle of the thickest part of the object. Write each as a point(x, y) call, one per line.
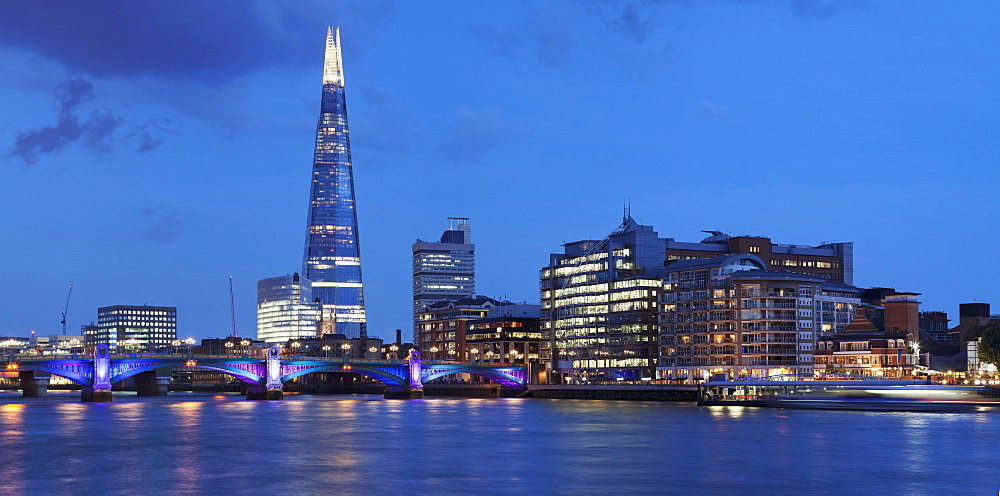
point(152, 149)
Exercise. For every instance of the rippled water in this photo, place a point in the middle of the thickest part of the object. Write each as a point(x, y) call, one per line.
point(207, 444)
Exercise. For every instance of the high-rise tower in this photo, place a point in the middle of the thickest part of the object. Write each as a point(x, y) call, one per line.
point(332, 258)
point(444, 270)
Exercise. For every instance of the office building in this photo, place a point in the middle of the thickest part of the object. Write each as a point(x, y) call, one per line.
point(442, 326)
point(332, 259)
point(599, 305)
point(728, 317)
point(134, 329)
point(510, 333)
point(827, 261)
point(286, 309)
point(445, 270)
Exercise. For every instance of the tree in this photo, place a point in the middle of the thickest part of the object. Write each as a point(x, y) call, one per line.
point(989, 345)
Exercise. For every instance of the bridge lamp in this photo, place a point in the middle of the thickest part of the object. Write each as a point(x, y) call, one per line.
point(346, 349)
point(326, 348)
point(11, 366)
point(229, 345)
point(373, 349)
point(189, 341)
point(245, 342)
point(393, 347)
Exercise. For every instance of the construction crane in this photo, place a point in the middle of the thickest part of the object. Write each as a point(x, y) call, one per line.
point(232, 306)
point(66, 309)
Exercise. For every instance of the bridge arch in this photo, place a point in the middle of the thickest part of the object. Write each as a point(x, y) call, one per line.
point(243, 375)
point(81, 374)
point(505, 377)
point(383, 376)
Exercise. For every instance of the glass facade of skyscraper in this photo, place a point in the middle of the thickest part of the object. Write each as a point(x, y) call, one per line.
point(285, 309)
point(332, 259)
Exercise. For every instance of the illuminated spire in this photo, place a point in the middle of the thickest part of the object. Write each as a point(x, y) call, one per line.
point(333, 68)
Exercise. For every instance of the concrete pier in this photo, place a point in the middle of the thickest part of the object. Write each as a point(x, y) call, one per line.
point(262, 393)
point(89, 395)
point(34, 384)
point(402, 393)
point(153, 383)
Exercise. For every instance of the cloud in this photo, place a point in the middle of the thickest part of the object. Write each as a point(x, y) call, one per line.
point(96, 131)
point(475, 134)
point(631, 23)
point(165, 227)
point(713, 109)
point(149, 135)
point(825, 8)
point(216, 41)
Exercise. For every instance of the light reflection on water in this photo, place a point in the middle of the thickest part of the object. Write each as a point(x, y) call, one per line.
point(197, 444)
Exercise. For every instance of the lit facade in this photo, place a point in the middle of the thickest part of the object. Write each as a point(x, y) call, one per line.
point(599, 301)
point(832, 262)
point(445, 270)
point(134, 329)
point(442, 326)
point(509, 334)
point(285, 309)
point(728, 317)
point(332, 259)
point(836, 305)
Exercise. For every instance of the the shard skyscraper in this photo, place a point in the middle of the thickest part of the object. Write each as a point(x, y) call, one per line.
point(332, 258)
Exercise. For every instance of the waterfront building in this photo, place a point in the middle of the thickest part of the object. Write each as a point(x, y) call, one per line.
point(441, 326)
point(836, 304)
point(286, 309)
point(13, 345)
point(867, 347)
point(599, 305)
point(510, 333)
point(729, 317)
point(133, 328)
point(332, 259)
point(445, 270)
point(974, 318)
point(935, 324)
point(827, 261)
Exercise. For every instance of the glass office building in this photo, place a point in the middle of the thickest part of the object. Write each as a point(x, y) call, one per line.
point(285, 309)
point(133, 328)
point(445, 270)
point(332, 259)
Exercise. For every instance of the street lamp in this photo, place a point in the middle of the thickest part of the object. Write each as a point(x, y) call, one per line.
point(345, 350)
point(295, 347)
point(326, 348)
point(229, 346)
point(433, 350)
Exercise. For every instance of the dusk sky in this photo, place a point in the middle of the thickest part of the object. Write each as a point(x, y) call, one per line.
point(152, 149)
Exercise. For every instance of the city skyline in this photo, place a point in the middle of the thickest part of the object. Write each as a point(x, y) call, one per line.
point(178, 158)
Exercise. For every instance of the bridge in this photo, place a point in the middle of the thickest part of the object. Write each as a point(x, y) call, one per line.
point(264, 375)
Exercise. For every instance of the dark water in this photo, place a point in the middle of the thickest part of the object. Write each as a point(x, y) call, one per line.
point(205, 444)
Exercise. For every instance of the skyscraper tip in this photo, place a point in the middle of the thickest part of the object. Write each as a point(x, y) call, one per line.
point(333, 67)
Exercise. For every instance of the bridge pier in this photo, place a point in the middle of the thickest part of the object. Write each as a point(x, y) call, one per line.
point(263, 393)
point(402, 393)
point(34, 384)
point(153, 383)
point(90, 395)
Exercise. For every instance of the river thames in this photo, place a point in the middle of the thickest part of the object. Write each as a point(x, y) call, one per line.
point(306, 444)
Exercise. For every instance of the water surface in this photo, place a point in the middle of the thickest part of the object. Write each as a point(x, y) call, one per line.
point(223, 444)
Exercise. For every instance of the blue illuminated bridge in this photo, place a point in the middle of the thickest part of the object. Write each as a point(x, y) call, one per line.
point(264, 375)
